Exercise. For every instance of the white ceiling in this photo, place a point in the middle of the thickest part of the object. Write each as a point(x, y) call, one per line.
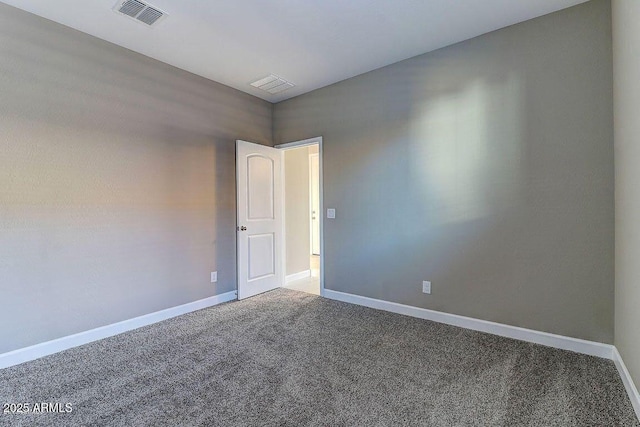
point(311, 43)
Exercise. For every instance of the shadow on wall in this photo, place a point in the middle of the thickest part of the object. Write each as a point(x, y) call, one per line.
point(448, 170)
point(485, 167)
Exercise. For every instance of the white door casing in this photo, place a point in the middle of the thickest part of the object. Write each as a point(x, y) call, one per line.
point(314, 192)
point(260, 218)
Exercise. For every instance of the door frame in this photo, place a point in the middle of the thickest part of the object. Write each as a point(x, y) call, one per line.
point(297, 144)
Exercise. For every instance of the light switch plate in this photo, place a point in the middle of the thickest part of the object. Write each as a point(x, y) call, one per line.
point(331, 213)
point(426, 287)
point(214, 276)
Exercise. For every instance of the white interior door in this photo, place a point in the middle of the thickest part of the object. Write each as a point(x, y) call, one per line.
point(260, 222)
point(314, 180)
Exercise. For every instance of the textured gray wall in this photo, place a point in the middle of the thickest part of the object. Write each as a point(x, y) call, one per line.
point(296, 191)
point(626, 45)
point(485, 167)
point(117, 181)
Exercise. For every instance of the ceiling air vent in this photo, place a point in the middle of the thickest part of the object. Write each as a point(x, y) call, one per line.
point(272, 84)
point(139, 11)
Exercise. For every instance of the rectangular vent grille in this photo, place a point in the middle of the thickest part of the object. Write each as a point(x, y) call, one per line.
point(272, 84)
point(131, 8)
point(150, 15)
point(139, 11)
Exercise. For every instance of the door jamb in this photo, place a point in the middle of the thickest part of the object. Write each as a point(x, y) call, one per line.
point(297, 144)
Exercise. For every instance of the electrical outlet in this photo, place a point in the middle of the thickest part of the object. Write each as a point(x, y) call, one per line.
point(214, 276)
point(426, 287)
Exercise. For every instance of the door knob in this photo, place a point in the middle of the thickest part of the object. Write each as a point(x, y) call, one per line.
point(243, 228)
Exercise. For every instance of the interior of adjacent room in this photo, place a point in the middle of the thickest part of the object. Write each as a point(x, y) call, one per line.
point(302, 218)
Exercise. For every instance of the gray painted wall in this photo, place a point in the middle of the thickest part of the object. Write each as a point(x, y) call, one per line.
point(296, 190)
point(117, 181)
point(626, 45)
point(485, 167)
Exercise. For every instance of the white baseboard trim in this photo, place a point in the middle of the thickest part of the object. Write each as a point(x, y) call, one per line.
point(297, 276)
point(37, 351)
point(577, 345)
point(629, 385)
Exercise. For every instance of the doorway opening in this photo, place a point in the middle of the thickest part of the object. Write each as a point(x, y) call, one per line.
point(302, 165)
